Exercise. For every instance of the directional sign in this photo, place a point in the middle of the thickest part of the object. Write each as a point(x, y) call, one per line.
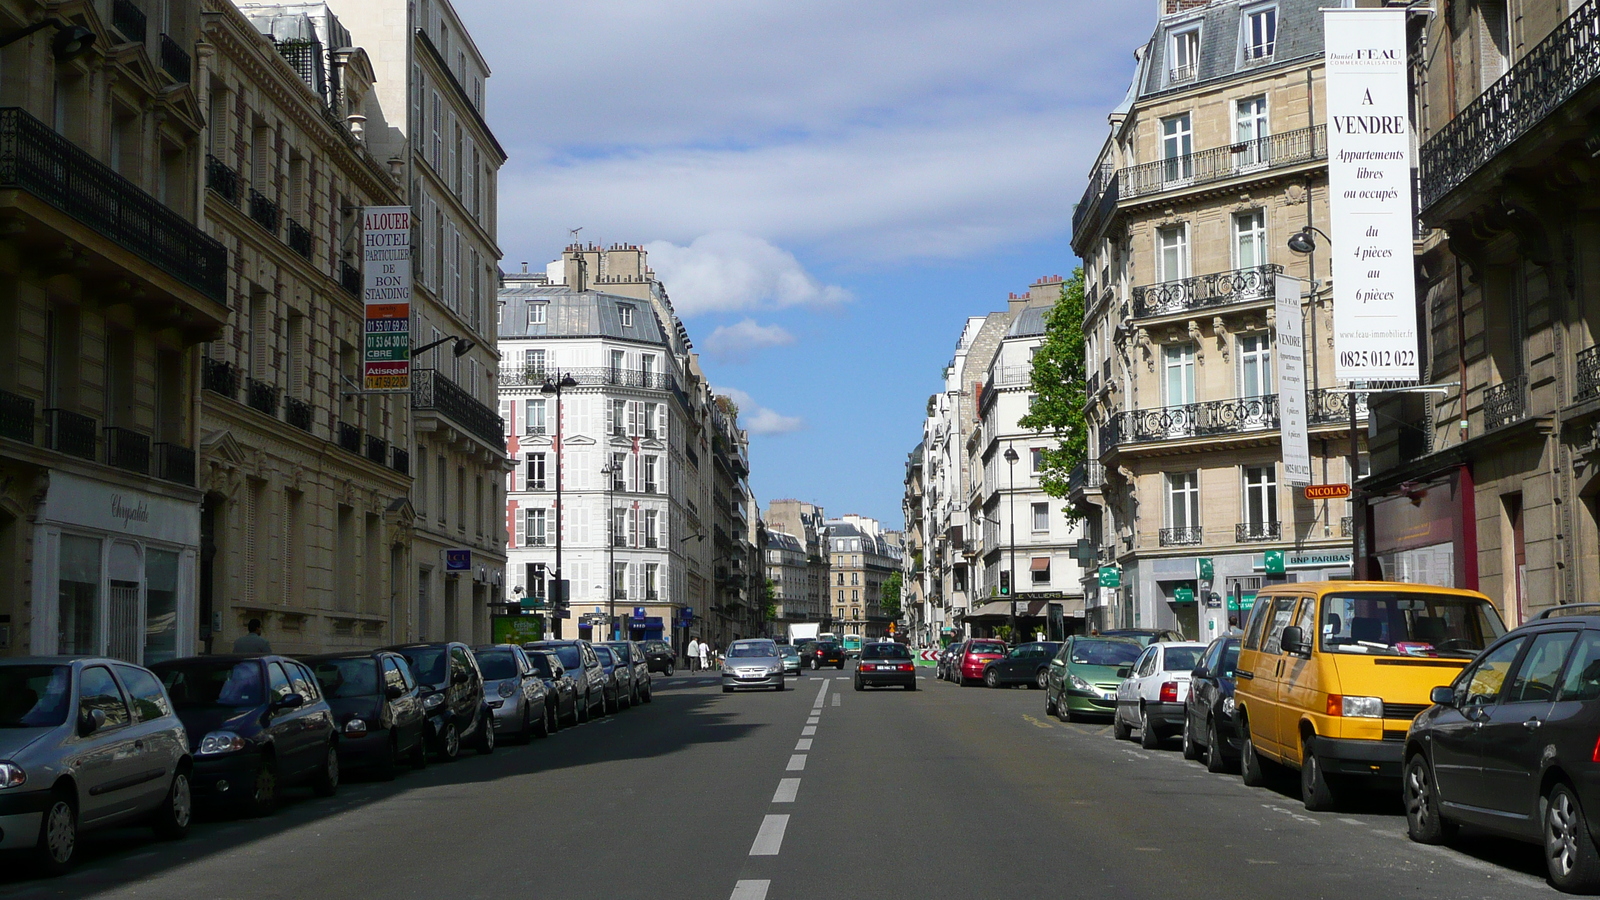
point(1110, 577)
point(1327, 491)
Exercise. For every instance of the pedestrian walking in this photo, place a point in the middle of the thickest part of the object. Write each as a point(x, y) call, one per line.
point(705, 655)
point(694, 654)
point(251, 642)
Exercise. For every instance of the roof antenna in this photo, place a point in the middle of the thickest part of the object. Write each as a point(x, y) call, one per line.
point(574, 233)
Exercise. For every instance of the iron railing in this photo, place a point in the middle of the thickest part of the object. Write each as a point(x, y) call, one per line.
point(400, 461)
point(1588, 373)
point(221, 177)
point(1213, 417)
point(300, 239)
point(430, 389)
point(1327, 407)
point(297, 413)
point(600, 375)
point(1505, 403)
point(37, 159)
point(1565, 62)
point(1347, 526)
point(1252, 285)
point(1291, 148)
point(174, 463)
point(129, 20)
point(350, 278)
point(1099, 198)
point(127, 449)
point(260, 395)
point(70, 433)
point(305, 57)
point(1256, 532)
point(16, 417)
point(350, 437)
point(1091, 387)
point(264, 210)
point(377, 449)
point(175, 61)
point(219, 377)
point(1086, 476)
point(1181, 537)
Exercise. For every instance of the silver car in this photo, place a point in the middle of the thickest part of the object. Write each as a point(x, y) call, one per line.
point(515, 692)
point(753, 663)
point(791, 659)
point(86, 744)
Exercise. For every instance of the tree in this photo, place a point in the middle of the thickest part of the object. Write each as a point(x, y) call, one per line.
point(1057, 383)
point(769, 596)
point(889, 600)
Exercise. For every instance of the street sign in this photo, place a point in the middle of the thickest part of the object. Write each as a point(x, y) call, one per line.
point(1327, 491)
point(1110, 577)
point(458, 560)
point(1183, 595)
point(1273, 562)
point(638, 612)
point(1208, 568)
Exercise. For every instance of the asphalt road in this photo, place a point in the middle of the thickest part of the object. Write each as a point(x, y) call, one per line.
point(945, 792)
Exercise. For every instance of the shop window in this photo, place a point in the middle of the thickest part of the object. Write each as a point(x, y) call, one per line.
point(78, 589)
point(161, 606)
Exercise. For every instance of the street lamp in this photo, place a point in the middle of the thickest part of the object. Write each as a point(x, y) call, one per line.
point(1011, 468)
point(70, 42)
point(610, 470)
point(559, 602)
point(462, 347)
point(1303, 241)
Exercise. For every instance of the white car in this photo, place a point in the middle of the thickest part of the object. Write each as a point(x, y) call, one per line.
point(1152, 697)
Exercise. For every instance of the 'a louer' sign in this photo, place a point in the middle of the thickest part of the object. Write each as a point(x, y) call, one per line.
point(386, 291)
point(1369, 195)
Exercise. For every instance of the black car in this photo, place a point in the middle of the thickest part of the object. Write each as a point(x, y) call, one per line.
point(658, 654)
point(256, 725)
point(1509, 747)
point(886, 664)
point(577, 657)
point(561, 689)
point(616, 673)
point(1209, 727)
point(452, 696)
point(1025, 664)
point(377, 706)
point(638, 677)
point(816, 654)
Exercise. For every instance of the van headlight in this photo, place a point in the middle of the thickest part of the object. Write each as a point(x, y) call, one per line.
point(1361, 707)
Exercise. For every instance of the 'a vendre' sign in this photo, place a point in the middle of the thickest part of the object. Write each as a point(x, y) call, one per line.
point(1369, 195)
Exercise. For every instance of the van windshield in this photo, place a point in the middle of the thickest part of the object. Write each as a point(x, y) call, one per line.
point(1408, 624)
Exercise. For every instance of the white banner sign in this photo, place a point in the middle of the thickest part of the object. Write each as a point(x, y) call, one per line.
point(1291, 351)
point(1369, 195)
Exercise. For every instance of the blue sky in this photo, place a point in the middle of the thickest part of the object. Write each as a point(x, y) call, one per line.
point(827, 188)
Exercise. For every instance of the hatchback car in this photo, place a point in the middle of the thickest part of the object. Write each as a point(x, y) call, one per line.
point(1083, 677)
point(452, 697)
point(659, 655)
point(256, 725)
point(561, 691)
point(616, 675)
point(1025, 664)
point(886, 664)
point(791, 659)
point(577, 657)
point(378, 708)
point(637, 668)
point(1154, 691)
point(753, 663)
point(86, 744)
point(816, 654)
point(515, 691)
point(1209, 727)
point(976, 654)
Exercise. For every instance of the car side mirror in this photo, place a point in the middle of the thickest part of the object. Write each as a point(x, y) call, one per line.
point(1293, 640)
point(460, 677)
point(1443, 695)
point(1200, 672)
point(91, 721)
point(289, 701)
point(1124, 671)
point(393, 693)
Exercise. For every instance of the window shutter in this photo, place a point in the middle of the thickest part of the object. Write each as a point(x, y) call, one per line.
point(520, 537)
point(610, 425)
point(638, 582)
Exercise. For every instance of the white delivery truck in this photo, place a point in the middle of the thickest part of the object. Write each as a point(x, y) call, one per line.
point(800, 633)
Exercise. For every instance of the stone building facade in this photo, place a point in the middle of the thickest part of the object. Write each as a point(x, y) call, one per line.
point(862, 557)
point(806, 522)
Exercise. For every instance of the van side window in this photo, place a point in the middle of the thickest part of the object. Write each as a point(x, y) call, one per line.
point(1485, 680)
point(1258, 615)
point(1307, 620)
point(1282, 612)
point(1582, 681)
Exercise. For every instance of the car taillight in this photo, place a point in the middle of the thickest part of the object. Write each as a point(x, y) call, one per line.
point(1595, 756)
point(905, 667)
point(1169, 692)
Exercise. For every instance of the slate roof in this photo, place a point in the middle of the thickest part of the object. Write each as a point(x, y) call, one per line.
point(1029, 322)
point(1221, 36)
point(575, 314)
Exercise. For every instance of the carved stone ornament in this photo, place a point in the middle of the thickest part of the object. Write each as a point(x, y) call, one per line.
point(1220, 328)
point(1197, 336)
point(1294, 195)
point(1141, 339)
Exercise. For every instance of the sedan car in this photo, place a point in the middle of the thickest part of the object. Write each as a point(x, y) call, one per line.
point(659, 655)
point(886, 664)
point(515, 691)
point(975, 656)
point(791, 659)
point(1083, 677)
point(1025, 664)
point(561, 690)
point(377, 706)
point(61, 721)
point(452, 696)
point(816, 654)
point(1154, 691)
point(1209, 727)
point(637, 669)
point(752, 663)
point(256, 725)
point(577, 657)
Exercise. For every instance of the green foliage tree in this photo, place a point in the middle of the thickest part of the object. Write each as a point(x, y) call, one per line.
point(889, 600)
point(1057, 383)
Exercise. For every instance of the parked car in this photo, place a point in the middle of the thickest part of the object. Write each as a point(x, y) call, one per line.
point(1145, 636)
point(752, 663)
point(816, 654)
point(561, 689)
point(452, 697)
point(377, 706)
point(791, 659)
point(256, 725)
point(61, 719)
point(616, 673)
point(633, 659)
point(659, 655)
point(515, 692)
point(1084, 677)
point(975, 655)
point(886, 664)
point(1332, 673)
point(945, 670)
point(1154, 692)
point(1509, 746)
point(1025, 664)
point(577, 657)
point(1209, 727)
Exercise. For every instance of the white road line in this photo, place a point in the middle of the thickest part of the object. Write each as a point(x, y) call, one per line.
point(835, 699)
point(841, 678)
point(797, 762)
point(750, 890)
point(820, 693)
point(803, 744)
point(770, 838)
point(808, 730)
point(788, 788)
point(813, 718)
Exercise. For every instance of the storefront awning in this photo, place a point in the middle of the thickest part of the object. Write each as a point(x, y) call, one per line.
point(1041, 564)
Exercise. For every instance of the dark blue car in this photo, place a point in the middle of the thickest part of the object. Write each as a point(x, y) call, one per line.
point(1210, 730)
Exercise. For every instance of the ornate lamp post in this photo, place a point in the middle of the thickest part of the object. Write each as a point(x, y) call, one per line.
point(559, 601)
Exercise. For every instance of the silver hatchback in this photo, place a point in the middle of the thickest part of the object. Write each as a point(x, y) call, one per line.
point(753, 663)
point(86, 744)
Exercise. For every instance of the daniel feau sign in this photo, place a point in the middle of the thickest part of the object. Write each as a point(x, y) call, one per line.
point(1369, 195)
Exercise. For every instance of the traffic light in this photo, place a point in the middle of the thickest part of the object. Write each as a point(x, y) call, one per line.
point(1005, 584)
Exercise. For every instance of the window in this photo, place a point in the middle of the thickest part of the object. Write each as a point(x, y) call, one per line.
point(277, 682)
point(1250, 129)
point(536, 526)
point(619, 473)
point(1489, 675)
point(1250, 239)
point(1041, 517)
point(1255, 365)
point(618, 358)
point(1177, 361)
point(537, 580)
point(1535, 681)
point(855, 577)
point(1260, 498)
point(97, 690)
point(1172, 253)
point(1496, 52)
point(78, 590)
point(650, 475)
point(1183, 500)
point(647, 368)
point(619, 527)
point(619, 580)
point(1261, 33)
point(625, 315)
point(841, 578)
point(1041, 570)
point(1582, 681)
point(149, 700)
point(650, 420)
point(650, 590)
point(536, 472)
point(535, 417)
point(855, 597)
point(1185, 55)
point(1036, 460)
point(619, 417)
point(535, 364)
point(1177, 145)
point(652, 536)
point(536, 312)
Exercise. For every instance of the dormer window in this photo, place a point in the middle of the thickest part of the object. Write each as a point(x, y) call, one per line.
point(536, 313)
point(1185, 55)
point(625, 314)
point(1261, 33)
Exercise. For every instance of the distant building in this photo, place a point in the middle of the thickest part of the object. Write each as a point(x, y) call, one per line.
point(862, 558)
point(786, 572)
point(807, 523)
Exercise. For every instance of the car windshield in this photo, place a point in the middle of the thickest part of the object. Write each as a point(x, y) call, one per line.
point(885, 651)
point(342, 678)
point(569, 656)
point(787, 651)
point(541, 665)
point(427, 663)
point(1105, 653)
point(752, 651)
point(997, 649)
point(223, 683)
point(1408, 623)
point(497, 664)
point(34, 696)
point(1181, 659)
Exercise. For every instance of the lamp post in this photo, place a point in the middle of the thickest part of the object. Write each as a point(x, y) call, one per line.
point(1011, 468)
point(560, 600)
point(610, 470)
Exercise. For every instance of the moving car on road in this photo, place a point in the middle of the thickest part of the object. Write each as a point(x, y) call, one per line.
point(1153, 695)
point(377, 707)
point(515, 692)
point(816, 654)
point(791, 659)
point(1209, 728)
point(975, 657)
point(577, 657)
point(1025, 664)
point(61, 720)
point(659, 655)
point(452, 696)
point(752, 663)
point(1083, 677)
point(886, 664)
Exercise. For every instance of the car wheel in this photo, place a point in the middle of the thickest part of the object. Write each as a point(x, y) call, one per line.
point(58, 834)
point(1216, 761)
point(1250, 764)
point(542, 730)
point(859, 685)
point(383, 770)
point(1120, 729)
point(1316, 789)
point(726, 689)
point(1421, 792)
point(326, 781)
point(669, 670)
point(263, 797)
point(782, 685)
point(171, 821)
point(583, 712)
point(1191, 750)
point(991, 679)
point(1038, 680)
point(912, 686)
point(419, 753)
point(1149, 737)
point(1049, 704)
point(486, 736)
point(450, 742)
point(1569, 851)
point(840, 666)
point(649, 694)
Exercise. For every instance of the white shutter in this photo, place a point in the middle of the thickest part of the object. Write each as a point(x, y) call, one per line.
point(519, 537)
point(609, 417)
point(637, 573)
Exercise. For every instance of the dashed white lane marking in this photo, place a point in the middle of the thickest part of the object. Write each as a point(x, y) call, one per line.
point(820, 694)
point(1348, 820)
point(769, 840)
point(803, 744)
point(809, 730)
point(797, 763)
point(788, 789)
point(841, 678)
point(835, 699)
point(750, 890)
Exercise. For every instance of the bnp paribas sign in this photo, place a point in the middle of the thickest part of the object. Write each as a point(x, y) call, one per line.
point(1369, 195)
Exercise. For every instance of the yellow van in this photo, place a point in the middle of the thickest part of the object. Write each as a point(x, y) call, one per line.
point(1331, 674)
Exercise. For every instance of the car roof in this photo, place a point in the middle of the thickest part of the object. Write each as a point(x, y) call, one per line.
point(1116, 638)
point(1327, 587)
point(1182, 644)
point(345, 654)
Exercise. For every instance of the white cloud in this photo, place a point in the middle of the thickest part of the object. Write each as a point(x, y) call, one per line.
point(727, 271)
point(757, 419)
point(735, 343)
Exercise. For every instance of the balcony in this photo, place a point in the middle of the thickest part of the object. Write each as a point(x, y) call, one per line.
point(1257, 284)
point(619, 539)
point(1325, 407)
point(127, 449)
point(297, 413)
point(1091, 387)
point(431, 390)
point(1181, 74)
point(1278, 151)
point(67, 432)
point(264, 211)
point(261, 396)
point(222, 179)
point(37, 160)
point(1193, 420)
point(1564, 63)
point(1086, 476)
point(349, 437)
point(174, 463)
point(400, 461)
point(536, 540)
point(1181, 537)
point(377, 450)
point(590, 377)
point(1099, 199)
point(219, 377)
point(350, 278)
point(1505, 403)
point(300, 239)
point(1588, 385)
point(1257, 532)
point(16, 417)
point(129, 20)
point(651, 542)
point(174, 61)
point(650, 487)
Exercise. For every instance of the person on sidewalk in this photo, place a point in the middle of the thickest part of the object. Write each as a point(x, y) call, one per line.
point(692, 652)
point(705, 656)
point(251, 642)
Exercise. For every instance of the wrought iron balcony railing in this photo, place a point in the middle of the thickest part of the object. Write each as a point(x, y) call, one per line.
point(264, 211)
point(1588, 373)
point(1181, 537)
point(400, 461)
point(259, 395)
point(1505, 403)
point(1252, 285)
point(70, 433)
point(16, 417)
point(350, 278)
point(174, 463)
point(1561, 65)
point(350, 437)
point(300, 239)
point(431, 390)
point(297, 413)
point(219, 377)
point(127, 449)
point(377, 450)
point(222, 179)
point(1327, 407)
point(36, 159)
point(129, 20)
point(1099, 198)
point(1291, 148)
point(1256, 532)
point(175, 61)
point(588, 377)
point(1091, 387)
point(1213, 417)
